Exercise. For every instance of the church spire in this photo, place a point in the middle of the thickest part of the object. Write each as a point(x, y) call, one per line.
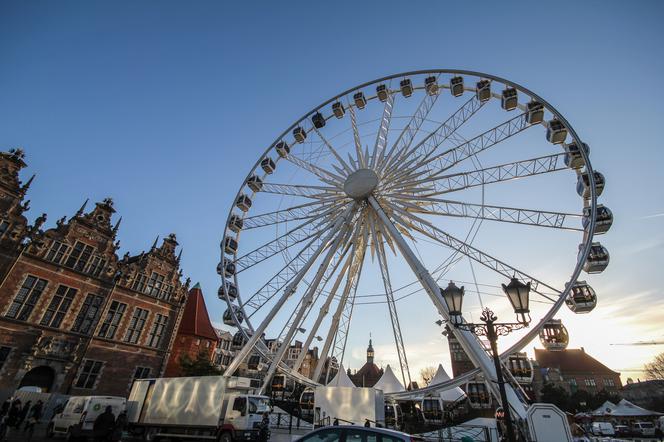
point(370, 352)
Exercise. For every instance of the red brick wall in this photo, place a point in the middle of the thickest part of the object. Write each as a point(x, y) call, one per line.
point(190, 345)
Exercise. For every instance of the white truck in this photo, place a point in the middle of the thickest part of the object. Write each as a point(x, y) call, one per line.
point(206, 407)
point(350, 405)
point(78, 415)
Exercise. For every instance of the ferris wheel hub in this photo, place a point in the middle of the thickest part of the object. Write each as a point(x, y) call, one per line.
point(360, 184)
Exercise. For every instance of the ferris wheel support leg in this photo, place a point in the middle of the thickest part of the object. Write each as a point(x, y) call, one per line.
point(306, 301)
point(468, 341)
point(288, 291)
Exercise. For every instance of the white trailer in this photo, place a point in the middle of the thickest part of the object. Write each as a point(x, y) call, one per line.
point(349, 405)
point(207, 407)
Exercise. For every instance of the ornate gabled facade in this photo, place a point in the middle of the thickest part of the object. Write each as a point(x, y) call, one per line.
point(369, 374)
point(74, 317)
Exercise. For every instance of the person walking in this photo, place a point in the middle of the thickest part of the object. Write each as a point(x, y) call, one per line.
point(23, 414)
point(5, 407)
point(34, 415)
point(120, 425)
point(102, 429)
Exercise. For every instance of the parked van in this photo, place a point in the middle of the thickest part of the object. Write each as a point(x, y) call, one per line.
point(643, 428)
point(603, 429)
point(79, 413)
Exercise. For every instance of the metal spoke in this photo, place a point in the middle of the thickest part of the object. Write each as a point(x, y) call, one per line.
point(467, 340)
point(409, 132)
point(303, 232)
point(430, 143)
point(504, 172)
point(389, 294)
point(307, 299)
point(474, 253)
point(295, 213)
point(324, 175)
point(381, 136)
point(361, 159)
point(288, 291)
point(491, 137)
point(344, 307)
point(315, 192)
point(334, 152)
point(531, 217)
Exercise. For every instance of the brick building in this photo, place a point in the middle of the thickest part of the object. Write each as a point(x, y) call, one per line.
point(574, 369)
point(369, 373)
point(74, 317)
point(195, 334)
point(224, 353)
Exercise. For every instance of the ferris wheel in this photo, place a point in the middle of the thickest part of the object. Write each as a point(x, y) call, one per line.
point(404, 184)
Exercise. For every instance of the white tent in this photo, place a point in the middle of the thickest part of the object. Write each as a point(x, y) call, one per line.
point(388, 382)
point(341, 379)
point(451, 395)
point(606, 408)
point(626, 408)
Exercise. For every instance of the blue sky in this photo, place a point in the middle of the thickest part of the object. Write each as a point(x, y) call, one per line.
point(165, 106)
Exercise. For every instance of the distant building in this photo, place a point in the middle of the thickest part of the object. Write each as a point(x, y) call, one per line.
point(369, 374)
point(195, 334)
point(74, 316)
point(646, 394)
point(224, 353)
point(574, 369)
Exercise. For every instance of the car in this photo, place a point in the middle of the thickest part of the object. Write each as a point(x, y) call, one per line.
point(603, 429)
point(78, 415)
point(643, 428)
point(622, 430)
point(354, 433)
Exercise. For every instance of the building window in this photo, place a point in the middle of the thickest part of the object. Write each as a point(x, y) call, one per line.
point(157, 330)
point(136, 325)
point(572, 382)
point(609, 383)
point(590, 383)
point(96, 265)
point(154, 285)
point(89, 373)
point(59, 306)
point(79, 256)
point(4, 226)
point(253, 362)
point(4, 355)
point(57, 252)
point(139, 282)
point(142, 373)
point(112, 319)
point(26, 298)
point(88, 314)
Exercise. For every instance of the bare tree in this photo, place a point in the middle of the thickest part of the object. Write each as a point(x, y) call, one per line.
point(427, 374)
point(655, 368)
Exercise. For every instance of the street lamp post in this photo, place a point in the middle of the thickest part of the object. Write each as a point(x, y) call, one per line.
point(518, 294)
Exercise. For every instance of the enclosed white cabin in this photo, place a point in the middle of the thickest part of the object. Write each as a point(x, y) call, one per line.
point(243, 203)
point(478, 394)
point(338, 109)
point(268, 165)
point(228, 315)
point(360, 100)
point(431, 85)
point(235, 223)
point(553, 335)
point(509, 99)
point(282, 148)
point(521, 368)
point(382, 92)
point(556, 132)
point(300, 134)
point(581, 298)
point(307, 402)
point(406, 87)
point(230, 245)
point(598, 258)
point(573, 157)
point(318, 120)
point(456, 86)
point(534, 112)
point(255, 183)
point(227, 288)
point(483, 90)
point(239, 340)
point(603, 219)
point(229, 268)
point(583, 184)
